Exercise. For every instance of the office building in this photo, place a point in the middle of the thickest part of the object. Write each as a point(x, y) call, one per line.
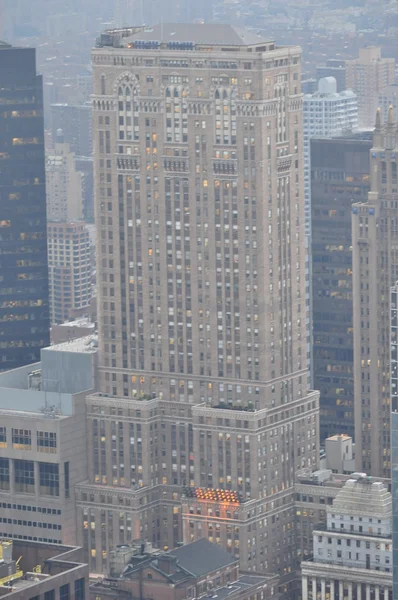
point(24, 311)
point(315, 491)
point(375, 271)
point(340, 175)
point(43, 452)
point(64, 184)
point(326, 114)
point(336, 68)
point(197, 569)
point(353, 552)
point(70, 270)
point(367, 75)
point(201, 284)
point(34, 570)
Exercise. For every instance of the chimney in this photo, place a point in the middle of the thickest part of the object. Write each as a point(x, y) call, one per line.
point(167, 563)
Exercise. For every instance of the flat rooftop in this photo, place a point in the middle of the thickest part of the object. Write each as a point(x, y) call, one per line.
point(84, 344)
point(184, 36)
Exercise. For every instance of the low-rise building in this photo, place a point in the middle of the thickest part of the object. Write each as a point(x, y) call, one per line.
point(33, 571)
point(196, 570)
point(352, 553)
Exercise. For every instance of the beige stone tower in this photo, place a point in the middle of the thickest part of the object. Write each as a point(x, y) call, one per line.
point(375, 270)
point(201, 280)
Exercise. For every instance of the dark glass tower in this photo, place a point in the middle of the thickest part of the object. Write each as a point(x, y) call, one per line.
point(24, 311)
point(339, 177)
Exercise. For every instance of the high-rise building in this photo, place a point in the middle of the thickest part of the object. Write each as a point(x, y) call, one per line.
point(70, 270)
point(24, 312)
point(76, 124)
point(336, 68)
point(326, 114)
point(201, 282)
point(64, 184)
point(367, 75)
point(340, 175)
point(352, 554)
point(375, 271)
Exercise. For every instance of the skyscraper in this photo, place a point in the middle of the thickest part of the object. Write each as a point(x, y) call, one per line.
point(326, 114)
point(24, 312)
point(340, 175)
point(201, 271)
point(375, 270)
point(367, 75)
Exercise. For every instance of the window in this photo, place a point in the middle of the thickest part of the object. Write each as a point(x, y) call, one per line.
point(22, 439)
point(24, 476)
point(49, 479)
point(3, 437)
point(80, 589)
point(66, 479)
point(64, 593)
point(4, 474)
point(50, 595)
point(46, 442)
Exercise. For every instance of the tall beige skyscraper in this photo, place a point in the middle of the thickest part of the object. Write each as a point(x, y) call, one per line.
point(367, 75)
point(375, 271)
point(201, 280)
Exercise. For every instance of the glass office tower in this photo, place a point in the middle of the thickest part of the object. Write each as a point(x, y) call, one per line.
point(24, 312)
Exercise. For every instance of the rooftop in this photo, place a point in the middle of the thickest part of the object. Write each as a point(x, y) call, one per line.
point(185, 36)
point(86, 344)
point(363, 495)
point(202, 557)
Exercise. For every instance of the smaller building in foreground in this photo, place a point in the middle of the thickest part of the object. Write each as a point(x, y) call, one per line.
point(32, 570)
point(200, 569)
point(352, 554)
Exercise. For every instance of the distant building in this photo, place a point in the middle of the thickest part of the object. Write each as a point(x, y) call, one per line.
point(375, 271)
point(340, 175)
point(75, 122)
point(71, 330)
point(352, 556)
point(24, 306)
point(334, 68)
point(43, 451)
point(367, 75)
point(70, 270)
point(326, 113)
point(394, 431)
point(64, 184)
point(388, 97)
point(200, 569)
point(31, 570)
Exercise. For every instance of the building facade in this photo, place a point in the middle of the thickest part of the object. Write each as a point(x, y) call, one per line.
point(43, 452)
point(326, 114)
point(201, 271)
point(64, 184)
point(367, 75)
point(353, 553)
point(336, 68)
point(375, 271)
point(70, 270)
point(340, 175)
point(24, 310)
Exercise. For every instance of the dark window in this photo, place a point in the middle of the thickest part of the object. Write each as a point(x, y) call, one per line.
point(80, 589)
point(66, 479)
point(22, 439)
point(4, 474)
point(46, 441)
point(3, 437)
point(49, 479)
point(64, 593)
point(50, 595)
point(24, 476)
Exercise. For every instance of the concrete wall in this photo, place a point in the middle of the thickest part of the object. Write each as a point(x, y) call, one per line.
point(70, 372)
